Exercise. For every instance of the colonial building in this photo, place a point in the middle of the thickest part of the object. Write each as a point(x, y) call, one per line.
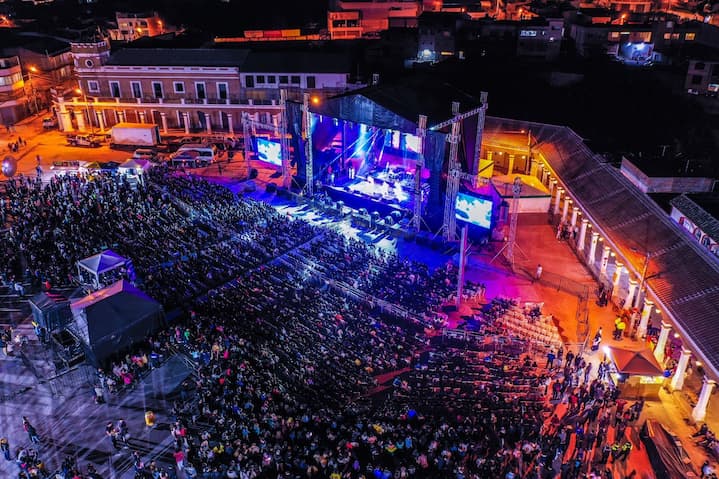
point(13, 101)
point(194, 89)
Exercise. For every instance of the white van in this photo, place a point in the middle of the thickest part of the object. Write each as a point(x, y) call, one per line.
point(194, 155)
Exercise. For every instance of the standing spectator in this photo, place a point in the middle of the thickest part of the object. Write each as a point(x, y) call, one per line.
point(31, 431)
point(5, 448)
point(179, 459)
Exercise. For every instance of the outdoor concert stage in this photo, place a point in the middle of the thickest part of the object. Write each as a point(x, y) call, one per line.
point(367, 167)
point(366, 145)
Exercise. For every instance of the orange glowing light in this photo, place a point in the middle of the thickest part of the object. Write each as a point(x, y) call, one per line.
point(315, 100)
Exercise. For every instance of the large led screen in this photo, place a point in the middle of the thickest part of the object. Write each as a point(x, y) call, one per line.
point(269, 151)
point(474, 210)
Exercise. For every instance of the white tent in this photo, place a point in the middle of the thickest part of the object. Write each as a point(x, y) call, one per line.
point(135, 167)
point(99, 264)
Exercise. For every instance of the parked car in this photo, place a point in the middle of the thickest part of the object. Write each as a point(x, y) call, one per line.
point(83, 140)
point(145, 154)
point(49, 122)
point(63, 167)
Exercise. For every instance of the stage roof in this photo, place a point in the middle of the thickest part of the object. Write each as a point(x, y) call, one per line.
point(681, 274)
point(417, 96)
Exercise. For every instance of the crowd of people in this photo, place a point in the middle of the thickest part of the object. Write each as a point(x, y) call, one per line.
point(295, 377)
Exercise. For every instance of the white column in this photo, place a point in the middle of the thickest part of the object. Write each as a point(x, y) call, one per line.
point(700, 410)
point(208, 123)
point(575, 213)
point(662, 342)
point(120, 116)
point(80, 117)
point(677, 382)
point(604, 262)
point(593, 248)
point(552, 184)
point(510, 165)
point(630, 293)
point(276, 123)
point(186, 116)
point(65, 123)
point(618, 270)
point(230, 125)
point(142, 116)
point(582, 234)
point(101, 120)
point(565, 208)
point(163, 117)
point(644, 321)
point(557, 199)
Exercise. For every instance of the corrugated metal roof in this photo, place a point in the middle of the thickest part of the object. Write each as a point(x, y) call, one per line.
point(682, 275)
point(697, 214)
point(296, 62)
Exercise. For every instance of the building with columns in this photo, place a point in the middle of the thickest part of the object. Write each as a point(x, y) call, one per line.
point(629, 243)
point(193, 89)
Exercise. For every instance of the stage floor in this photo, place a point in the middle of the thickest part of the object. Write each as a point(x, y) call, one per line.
point(372, 194)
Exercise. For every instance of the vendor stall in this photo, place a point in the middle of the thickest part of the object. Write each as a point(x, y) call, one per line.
point(636, 373)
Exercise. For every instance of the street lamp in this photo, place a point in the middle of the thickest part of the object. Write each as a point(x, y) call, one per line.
point(87, 109)
point(31, 80)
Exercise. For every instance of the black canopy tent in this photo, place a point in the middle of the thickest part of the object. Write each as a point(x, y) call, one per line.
point(114, 318)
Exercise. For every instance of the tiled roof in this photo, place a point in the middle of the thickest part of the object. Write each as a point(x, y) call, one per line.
point(180, 57)
point(681, 274)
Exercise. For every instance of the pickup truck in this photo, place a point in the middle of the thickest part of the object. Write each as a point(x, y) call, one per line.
point(83, 140)
point(49, 122)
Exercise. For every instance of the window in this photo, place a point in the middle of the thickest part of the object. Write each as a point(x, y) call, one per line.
point(93, 86)
point(89, 63)
point(271, 79)
point(115, 89)
point(667, 36)
point(311, 82)
point(261, 79)
point(250, 81)
point(157, 89)
point(690, 37)
point(696, 79)
point(699, 66)
point(675, 36)
point(284, 79)
point(179, 87)
point(200, 91)
point(295, 79)
point(222, 91)
point(136, 89)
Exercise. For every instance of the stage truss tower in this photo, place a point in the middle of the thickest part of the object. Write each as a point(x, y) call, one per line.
point(307, 137)
point(454, 169)
point(284, 145)
point(417, 213)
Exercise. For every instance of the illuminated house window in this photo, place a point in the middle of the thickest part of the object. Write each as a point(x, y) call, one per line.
point(690, 36)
